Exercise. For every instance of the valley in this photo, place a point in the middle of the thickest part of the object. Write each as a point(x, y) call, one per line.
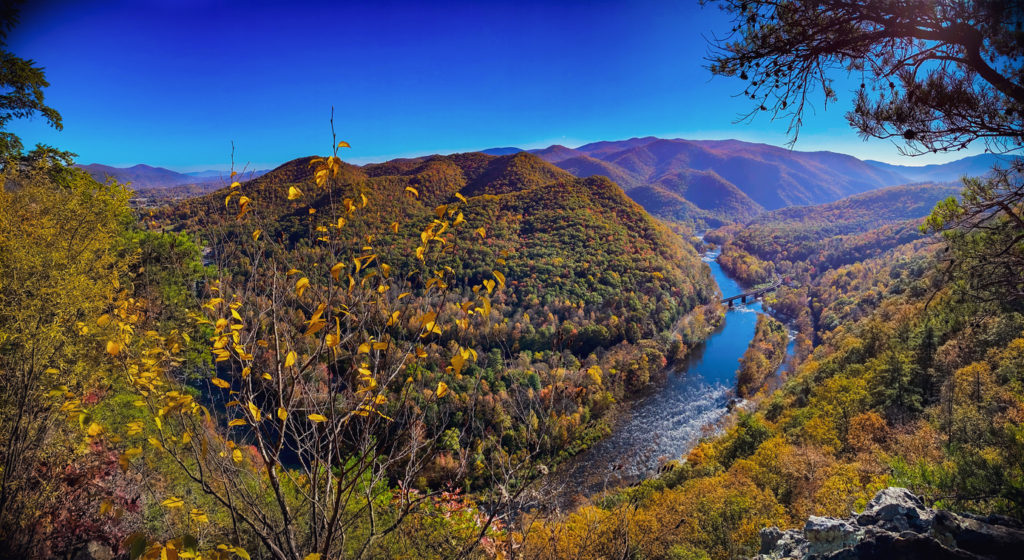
point(608, 337)
point(666, 422)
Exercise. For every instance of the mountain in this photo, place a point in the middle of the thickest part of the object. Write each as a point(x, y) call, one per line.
point(140, 176)
point(829, 235)
point(576, 241)
point(590, 277)
point(718, 181)
point(145, 177)
point(501, 151)
point(946, 172)
point(862, 212)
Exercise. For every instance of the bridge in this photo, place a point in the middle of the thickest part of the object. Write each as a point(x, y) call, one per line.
point(754, 293)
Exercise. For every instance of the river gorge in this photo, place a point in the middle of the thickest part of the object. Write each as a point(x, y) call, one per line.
point(664, 424)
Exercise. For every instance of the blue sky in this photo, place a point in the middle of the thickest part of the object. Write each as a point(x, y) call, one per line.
point(173, 82)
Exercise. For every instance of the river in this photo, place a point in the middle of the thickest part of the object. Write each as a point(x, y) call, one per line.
point(665, 424)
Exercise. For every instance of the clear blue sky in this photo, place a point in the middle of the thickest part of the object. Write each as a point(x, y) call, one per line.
point(173, 82)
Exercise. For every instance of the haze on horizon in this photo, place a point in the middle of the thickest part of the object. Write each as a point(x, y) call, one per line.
point(173, 84)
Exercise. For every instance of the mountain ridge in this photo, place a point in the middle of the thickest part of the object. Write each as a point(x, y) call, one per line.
point(688, 180)
point(147, 177)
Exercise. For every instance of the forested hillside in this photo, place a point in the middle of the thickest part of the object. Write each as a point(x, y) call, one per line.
point(419, 358)
point(712, 182)
point(429, 327)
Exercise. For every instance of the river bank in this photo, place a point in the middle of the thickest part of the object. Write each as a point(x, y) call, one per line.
point(665, 424)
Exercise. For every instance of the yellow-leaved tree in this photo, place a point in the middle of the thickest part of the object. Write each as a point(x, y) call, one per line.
point(319, 417)
point(60, 266)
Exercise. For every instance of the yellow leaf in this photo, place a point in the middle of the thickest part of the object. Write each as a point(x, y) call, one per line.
point(301, 286)
point(460, 197)
point(95, 429)
point(394, 227)
point(343, 144)
point(442, 389)
point(199, 516)
point(414, 192)
point(481, 232)
point(241, 553)
point(113, 347)
point(173, 502)
point(220, 383)
point(336, 271)
point(289, 360)
point(293, 193)
point(292, 271)
point(256, 234)
point(236, 455)
point(255, 411)
point(313, 556)
point(500, 277)
point(317, 417)
point(282, 414)
point(236, 422)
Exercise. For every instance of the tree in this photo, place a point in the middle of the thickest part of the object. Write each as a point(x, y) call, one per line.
point(936, 74)
point(328, 406)
point(59, 238)
point(984, 233)
point(21, 88)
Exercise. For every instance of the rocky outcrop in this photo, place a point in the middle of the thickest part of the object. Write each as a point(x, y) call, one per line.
point(897, 524)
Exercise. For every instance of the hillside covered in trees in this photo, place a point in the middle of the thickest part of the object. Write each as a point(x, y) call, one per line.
point(404, 359)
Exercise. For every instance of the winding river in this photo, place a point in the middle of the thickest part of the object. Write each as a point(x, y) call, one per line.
point(665, 424)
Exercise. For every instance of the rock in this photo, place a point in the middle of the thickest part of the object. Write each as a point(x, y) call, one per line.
point(769, 538)
point(897, 524)
point(826, 535)
point(984, 539)
point(782, 544)
point(94, 550)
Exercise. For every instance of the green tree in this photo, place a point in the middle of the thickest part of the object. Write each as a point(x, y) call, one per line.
point(59, 238)
point(984, 230)
point(896, 387)
point(935, 74)
point(21, 88)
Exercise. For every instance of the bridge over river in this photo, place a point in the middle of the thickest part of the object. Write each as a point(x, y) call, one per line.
point(755, 293)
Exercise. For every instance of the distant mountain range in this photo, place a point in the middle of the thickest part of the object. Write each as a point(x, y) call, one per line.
point(706, 182)
point(146, 178)
point(718, 181)
point(970, 166)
